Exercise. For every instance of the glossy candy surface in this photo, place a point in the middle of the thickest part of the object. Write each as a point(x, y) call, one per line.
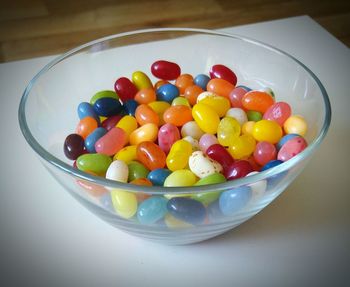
point(92, 138)
point(206, 118)
point(86, 126)
point(264, 152)
point(137, 170)
point(202, 165)
point(107, 107)
point(167, 93)
point(128, 124)
point(257, 101)
point(291, 148)
point(219, 104)
point(113, 141)
point(111, 122)
point(158, 176)
point(231, 201)
point(206, 141)
point(187, 209)
point(152, 210)
point(118, 171)
point(178, 155)
point(168, 134)
point(278, 112)
point(141, 80)
point(130, 107)
point(144, 114)
point(86, 110)
point(223, 72)
point(266, 130)
point(202, 81)
point(236, 96)
point(165, 70)
point(220, 154)
point(238, 169)
point(73, 146)
point(184, 81)
point(220, 87)
point(103, 94)
point(191, 129)
point(295, 124)
point(124, 203)
point(125, 89)
point(242, 146)
point(178, 115)
point(126, 154)
point(191, 93)
point(151, 155)
point(180, 177)
point(145, 96)
point(95, 162)
point(228, 130)
point(147, 132)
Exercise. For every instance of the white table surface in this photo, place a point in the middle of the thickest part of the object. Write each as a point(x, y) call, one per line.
point(301, 239)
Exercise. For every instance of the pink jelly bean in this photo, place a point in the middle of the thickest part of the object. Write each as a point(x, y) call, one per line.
point(125, 89)
point(167, 135)
point(291, 148)
point(264, 152)
point(112, 142)
point(236, 96)
point(206, 141)
point(223, 72)
point(218, 153)
point(165, 70)
point(238, 169)
point(278, 112)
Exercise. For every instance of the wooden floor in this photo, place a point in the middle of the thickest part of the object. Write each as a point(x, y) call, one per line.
point(43, 27)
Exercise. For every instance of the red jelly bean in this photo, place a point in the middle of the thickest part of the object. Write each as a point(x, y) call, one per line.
point(238, 169)
point(223, 72)
point(291, 148)
point(218, 153)
point(73, 146)
point(236, 96)
point(125, 89)
point(220, 87)
point(167, 135)
point(112, 142)
point(264, 152)
point(111, 122)
point(150, 155)
point(178, 115)
point(278, 112)
point(165, 70)
point(257, 101)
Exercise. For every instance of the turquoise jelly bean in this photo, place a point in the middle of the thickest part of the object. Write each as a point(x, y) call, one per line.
point(152, 210)
point(158, 176)
point(233, 200)
point(93, 138)
point(167, 93)
point(202, 81)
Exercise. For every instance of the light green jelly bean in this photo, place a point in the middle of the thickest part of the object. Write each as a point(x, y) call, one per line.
point(180, 177)
point(137, 170)
point(208, 197)
point(103, 94)
point(254, 116)
point(180, 101)
point(124, 203)
point(96, 162)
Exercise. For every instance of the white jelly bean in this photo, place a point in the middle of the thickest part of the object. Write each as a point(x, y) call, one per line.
point(118, 170)
point(202, 166)
point(193, 142)
point(191, 129)
point(258, 188)
point(238, 114)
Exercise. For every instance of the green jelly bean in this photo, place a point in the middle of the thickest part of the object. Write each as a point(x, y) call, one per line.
point(254, 116)
point(103, 94)
point(208, 197)
point(97, 163)
point(180, 177)
point(137, 170)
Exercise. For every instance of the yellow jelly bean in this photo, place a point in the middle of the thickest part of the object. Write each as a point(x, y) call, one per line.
point(124, 203)
point(181, 177)
point(247, 128)
point(159, 107)
point(242, 146)
point(128, 124)
point(141, 80)
point(295, 124)
point(180, 101)
point(126, 154)
point(178, 155)
point(269, 131)
point(229, 130)
point(206, 118)
point(102, 118)
point(219, 104)
point(147, 132)
point(175, 223)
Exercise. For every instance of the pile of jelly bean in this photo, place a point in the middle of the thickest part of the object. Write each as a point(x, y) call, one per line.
point(181, 131)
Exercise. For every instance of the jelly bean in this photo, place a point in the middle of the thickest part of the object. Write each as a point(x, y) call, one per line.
point(180, 177)
point(208, 197)
point(152, 210)
point(178, 155)
point(178, 115)
point(206, 141)
point(266, 130)
point(218, 153)
point(187, 209)
point(257, 101)
point(192, 129)
point(145, 96)
point(158, 176)
point(194, 143)
point(228, 130)
point(126, 154)
point(92, 189)
point(130, 107)
point(244, 87)
point(160, 83)
point(111, 122)
point(150, 155)
point(86, 110)
point(118, 171)
point(191, 93)
point(141, 80)
point(236, 96)
point(167, 93)
point(124, 203)
point(202, 81)
point(107, 107)
point(184, 81)
point(128, 124)
point(95, 162)
point(144, 114)
point(168, 134)
point(291, 148)
point(238, 169)
point(284, 139)
point(159, 107)
point(254, 116)
point(103, 94)
point(92, 138)
point(106, 202)
point(86, 126)
point(223, 72)
point(73, 146)
point(206, 118)
point(144, 182)
point(233, 200)
point(264, 152)
point(174, 223)
point(271, 164)
point(137, 170)
point(220, 86)
point(125, 89)
point(165, 70)
point(295, 124)
point(278, 112)
point(205, 94)
point(202, 165)
point(147, 132)
point(113, 141)
point(243, 146)
point(178, 101)
point(258, 188)
point(219, 104)
point(238, 114)
point(247, 128)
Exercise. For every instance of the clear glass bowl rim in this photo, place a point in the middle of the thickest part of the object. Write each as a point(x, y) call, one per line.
point(49, 158)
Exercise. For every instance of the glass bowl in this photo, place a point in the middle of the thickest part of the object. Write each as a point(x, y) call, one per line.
point(47, 114)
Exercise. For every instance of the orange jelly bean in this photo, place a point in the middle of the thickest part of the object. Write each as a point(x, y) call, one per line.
point(192, 93)
point(145, 182)
point(145, 96)
point(151, 155)
point(147, 132)
point(86, 126)
point(144, 114)
point(183, 81)
point(178, 115)
point(257, 101)
point(220, 87)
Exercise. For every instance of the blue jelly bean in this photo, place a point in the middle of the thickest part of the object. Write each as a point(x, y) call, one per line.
point(284, 139)
point(152, 210)
point(233, 200)
point(167, 93)
point(273, 180)
point(158, 176)
point(202, 81)
point(87, 110)
point(107, 107)
point(187, 209)
point(93, 138)
point(130, 107)
point(244, 87)
point(270, 164)
point(214, 211)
